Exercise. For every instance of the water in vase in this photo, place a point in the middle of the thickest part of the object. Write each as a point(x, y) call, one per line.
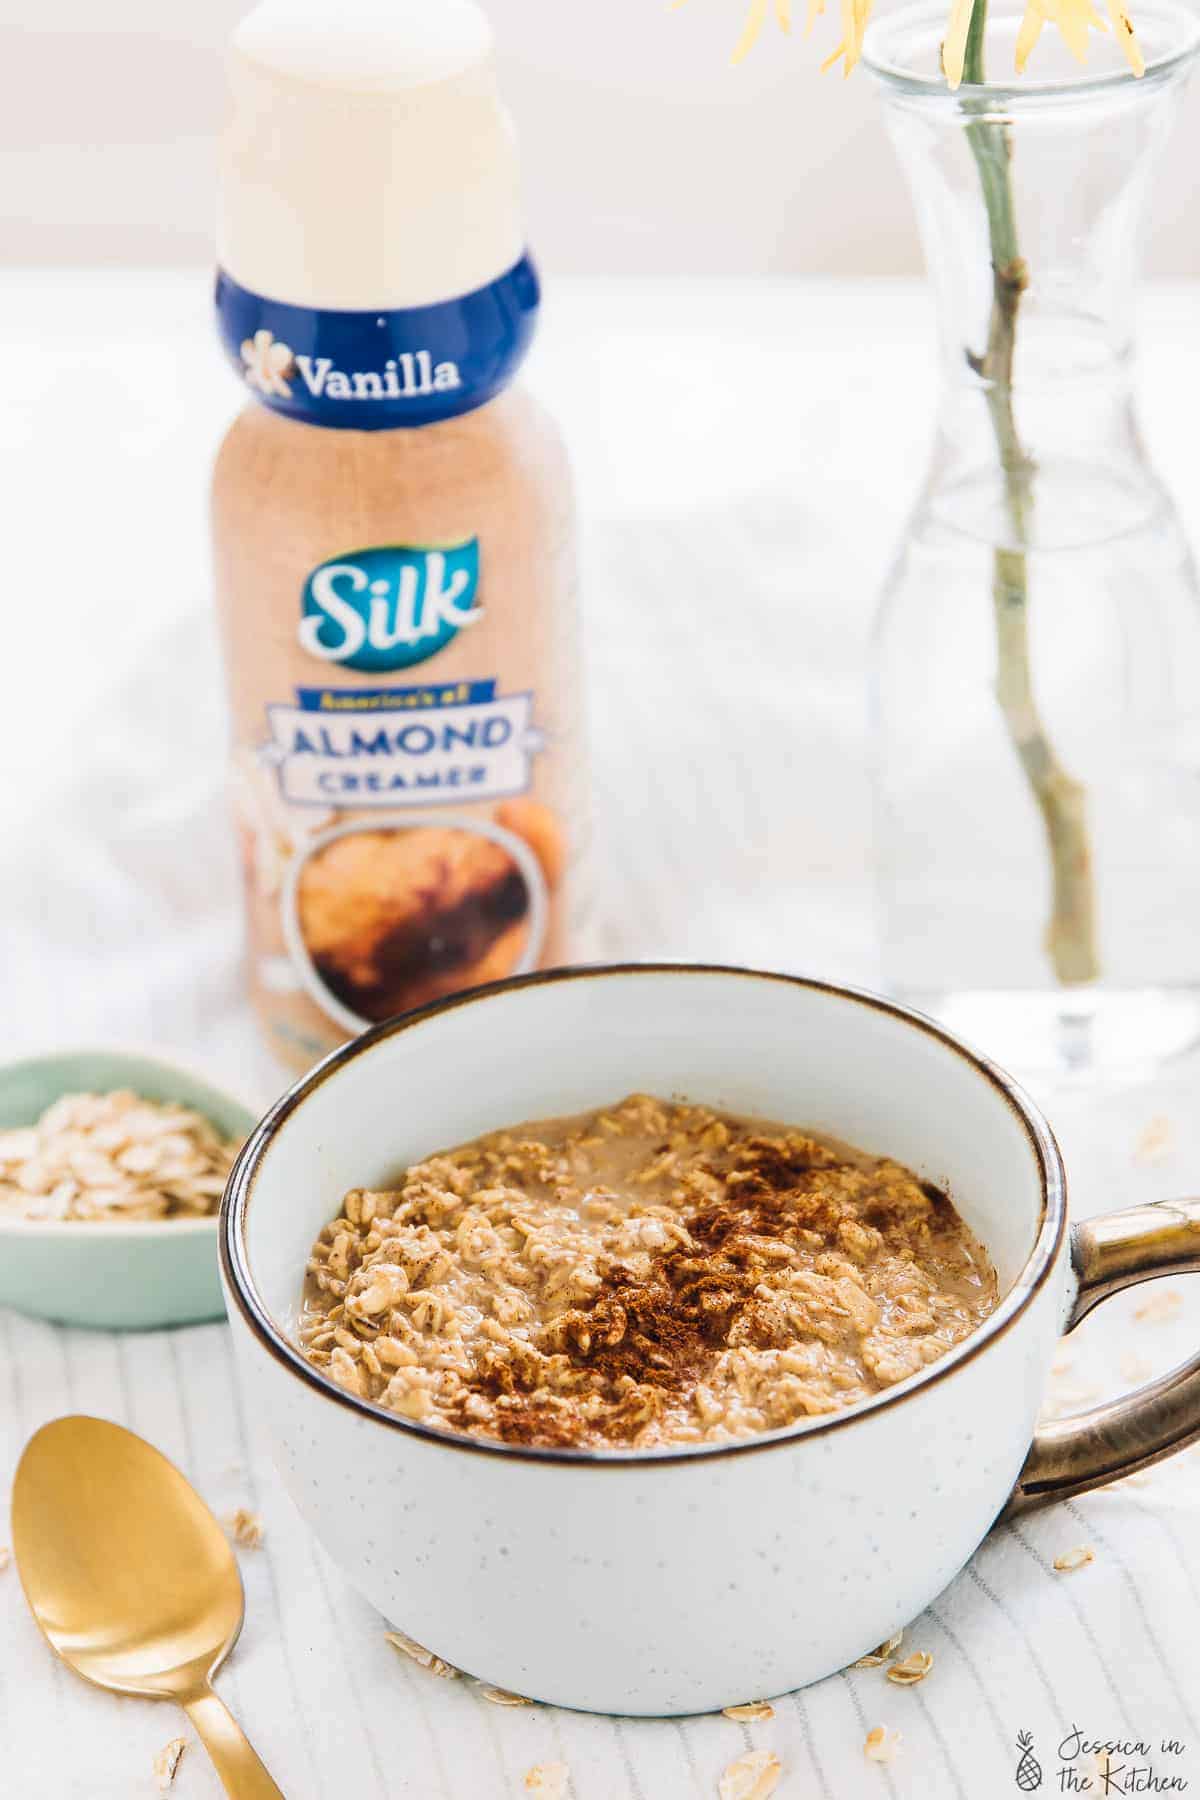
point(1036, 669)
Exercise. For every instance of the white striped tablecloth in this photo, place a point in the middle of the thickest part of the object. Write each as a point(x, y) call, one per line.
point(730, 561)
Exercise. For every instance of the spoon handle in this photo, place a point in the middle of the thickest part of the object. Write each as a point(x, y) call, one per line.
point(234, 1759)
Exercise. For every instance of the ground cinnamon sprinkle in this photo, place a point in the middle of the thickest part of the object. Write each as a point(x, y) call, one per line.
point(651, 1334)
point(649, 1273)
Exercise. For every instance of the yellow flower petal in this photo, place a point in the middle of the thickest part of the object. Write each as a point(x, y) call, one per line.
point(861, 13)
point(1030, 32)
point(847, 30)
point(1127, 37)
point(954, 49)
point(754, 25)
point(1076, 20)
point(849, 46)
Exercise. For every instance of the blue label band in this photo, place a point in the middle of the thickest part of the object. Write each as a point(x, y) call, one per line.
point(374, 371)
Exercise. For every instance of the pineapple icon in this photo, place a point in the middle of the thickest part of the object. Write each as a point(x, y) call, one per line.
point(1029, 1769)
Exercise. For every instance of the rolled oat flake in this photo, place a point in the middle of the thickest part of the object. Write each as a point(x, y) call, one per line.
point(393, 526)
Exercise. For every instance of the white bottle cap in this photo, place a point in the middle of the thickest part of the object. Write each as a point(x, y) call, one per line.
point(368, 161)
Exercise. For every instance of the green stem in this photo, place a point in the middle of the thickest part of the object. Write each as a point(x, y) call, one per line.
point(1070, 939)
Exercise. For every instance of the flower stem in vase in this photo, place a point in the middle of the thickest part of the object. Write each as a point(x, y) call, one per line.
point(1070, 938)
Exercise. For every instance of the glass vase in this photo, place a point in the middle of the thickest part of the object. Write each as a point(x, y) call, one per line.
point(1036, 658)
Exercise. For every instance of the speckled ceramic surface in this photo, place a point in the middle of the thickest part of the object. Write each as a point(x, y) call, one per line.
point(114, 1275)
point(656, 1582)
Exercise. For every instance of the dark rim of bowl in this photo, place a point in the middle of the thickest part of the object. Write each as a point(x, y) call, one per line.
point(1033, 1276)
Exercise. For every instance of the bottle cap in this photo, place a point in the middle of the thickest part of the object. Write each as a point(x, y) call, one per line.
point(370, 237)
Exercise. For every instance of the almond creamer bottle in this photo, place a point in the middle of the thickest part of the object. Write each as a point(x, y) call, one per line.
point(393, 525)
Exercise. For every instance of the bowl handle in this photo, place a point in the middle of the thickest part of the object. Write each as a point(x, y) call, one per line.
point(1069, 1456)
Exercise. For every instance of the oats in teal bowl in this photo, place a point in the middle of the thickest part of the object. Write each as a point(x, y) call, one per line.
point(112, 1167)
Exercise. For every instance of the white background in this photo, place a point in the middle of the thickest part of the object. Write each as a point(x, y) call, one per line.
point(644, 151)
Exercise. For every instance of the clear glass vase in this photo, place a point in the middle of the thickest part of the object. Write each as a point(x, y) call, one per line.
point(1036, 663)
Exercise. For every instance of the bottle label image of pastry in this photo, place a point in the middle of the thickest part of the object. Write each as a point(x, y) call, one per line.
point(382, 918)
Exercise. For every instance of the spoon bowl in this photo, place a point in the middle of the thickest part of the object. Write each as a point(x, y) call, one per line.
point(131, 1579)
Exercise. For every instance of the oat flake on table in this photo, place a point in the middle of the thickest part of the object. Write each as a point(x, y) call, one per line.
point(502, 1697)
point(751, 1777)
point(246, 1528)
point(751, 1712)
point(1156, 1141)
point(875, 1659)
point(426, 1658)
point(550, 1781)
point(881, 1745)
point(1105, 1772)
point(166, 1763)
point(1078, 1558)
point(914, 1668)
point(1159, 1308)
point(1067, 1397)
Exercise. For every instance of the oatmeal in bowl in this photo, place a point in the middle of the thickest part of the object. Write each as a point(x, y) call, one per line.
point(648, 1273)
point(652, 1403)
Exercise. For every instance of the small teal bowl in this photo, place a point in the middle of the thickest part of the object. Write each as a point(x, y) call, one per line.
point(118, 1276)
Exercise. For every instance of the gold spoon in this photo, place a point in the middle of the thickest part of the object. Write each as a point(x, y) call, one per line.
point(132, 1580)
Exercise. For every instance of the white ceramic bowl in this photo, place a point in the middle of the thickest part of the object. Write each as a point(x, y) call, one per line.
point(682, 1580)
point(121, 1275)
